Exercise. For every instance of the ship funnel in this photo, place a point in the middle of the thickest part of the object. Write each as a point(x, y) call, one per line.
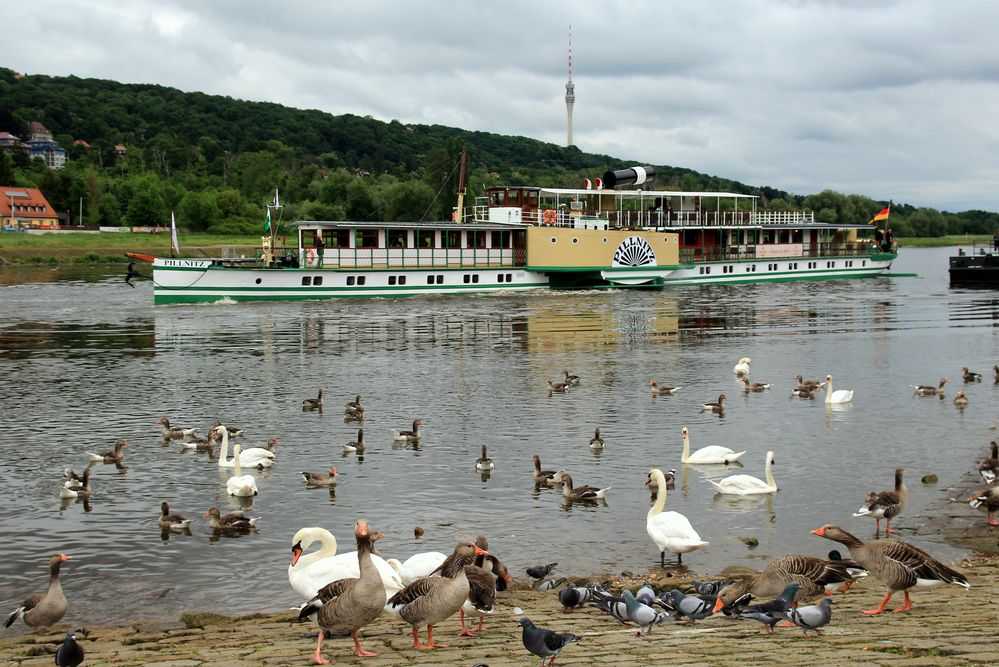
point(631, 176)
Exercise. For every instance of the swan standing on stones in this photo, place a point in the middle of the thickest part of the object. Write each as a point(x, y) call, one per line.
point(742, 368)
point(239, 484)
point(417, 566)
point(310, 572)
point(707, 455)
point(252, 457)
point(747, 485)
point(838, 396)
point(671, 531)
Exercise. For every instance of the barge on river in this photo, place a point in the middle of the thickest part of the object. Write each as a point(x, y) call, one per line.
point(521, 238)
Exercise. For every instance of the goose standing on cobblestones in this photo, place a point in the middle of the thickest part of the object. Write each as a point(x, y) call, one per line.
point(40, 611)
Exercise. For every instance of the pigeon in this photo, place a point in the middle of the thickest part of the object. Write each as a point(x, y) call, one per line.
point(710, 587)
point(69, 653)
point(572, 597)
point(768, 619)
point(690, 607)
point(544, 643)
point(643, 615)
point(540, 571)
point(549, 584)
point(772, 612)
point(646, 594)
point(611, 604)
point(812, 617)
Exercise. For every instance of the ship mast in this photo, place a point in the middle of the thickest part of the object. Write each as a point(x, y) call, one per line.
point(570, 93)
point(460, 212)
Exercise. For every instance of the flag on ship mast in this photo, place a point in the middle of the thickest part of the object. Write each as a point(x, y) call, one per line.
point(267, 221)
point(881, 215)
point(174, 245)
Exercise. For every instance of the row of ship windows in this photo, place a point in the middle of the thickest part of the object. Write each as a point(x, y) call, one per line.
point(434, 279)
point(791, 266)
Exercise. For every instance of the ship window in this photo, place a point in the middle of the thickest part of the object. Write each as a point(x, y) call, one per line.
point(466, 278)
point(402, 280)
point(452, 239)
point(397, 238)
point(306, 281)
point(257, 281)
point(440, 279)
point(367, 238)
point(475, 278)
point(318, 280)
point(575, 240)
point(391, 280)
point(337, 238)
point(509, 277)
point(863, 263)
point(425, 238)
point(499, 277)
point(498, 197)
point(360, 280)
point(430, 280)
point(350, 280)
point(476, 239)
point(554, 240)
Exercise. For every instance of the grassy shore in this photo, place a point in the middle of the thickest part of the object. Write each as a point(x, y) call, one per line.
point(77, 248)
point(947, 626)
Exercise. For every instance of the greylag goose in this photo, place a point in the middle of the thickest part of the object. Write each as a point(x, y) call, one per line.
point(197, 444)
point(987, 500)
point(316, 479)
point(233, 431)
point(170, 521)
point(347, 605)
point(995, 374)
point(79, 489)
point(808, 384)
point(596, 442)
point(108, 456)
point(886, 504)
point(899, 565)
point(354, 407)
point(671, 531)
point(989, 468)
point(40, 611)
point(581, 492)
point(930, 390)
point(970, 376)
point(742, 368)
point(557, 387)
point(410, 437)
point(803, 392)
point(569, 378)
point(484, 463)
point(544, 643)
point(355, 445)
point(753, 386)
point(960, 400)
point(546, 477)
point(717, 408)
point(313, 403)
point(501, 581)
point(712, 454)
point(233, 522)
point(662, 391)
point(812, 575)
point(69, 653)
point(174, 432)
point(430, 600)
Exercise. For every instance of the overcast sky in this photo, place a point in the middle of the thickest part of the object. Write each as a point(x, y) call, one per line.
point(893, 100)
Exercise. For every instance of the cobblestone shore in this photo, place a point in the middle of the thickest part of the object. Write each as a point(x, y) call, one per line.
point(948, 626)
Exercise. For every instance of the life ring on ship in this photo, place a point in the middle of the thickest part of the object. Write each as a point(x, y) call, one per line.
point(311, 257)
point(548, 217)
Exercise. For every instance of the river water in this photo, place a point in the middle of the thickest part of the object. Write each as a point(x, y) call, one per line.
point(85, 360)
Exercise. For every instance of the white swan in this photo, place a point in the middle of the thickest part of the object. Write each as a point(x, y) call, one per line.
point(240, 485)
point(742, 368)
point(417, 566)
point(711, 454)
point(746, 485)
point(308, 573)
point(840, 396)
point(671, 531)
point(253, 457)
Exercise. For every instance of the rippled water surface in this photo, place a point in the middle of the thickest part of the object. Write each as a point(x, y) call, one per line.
point(85, 360)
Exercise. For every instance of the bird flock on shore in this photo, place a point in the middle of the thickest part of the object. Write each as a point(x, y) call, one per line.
point(344, 592)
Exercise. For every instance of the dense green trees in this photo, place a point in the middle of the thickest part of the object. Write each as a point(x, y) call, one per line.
point(217, 161)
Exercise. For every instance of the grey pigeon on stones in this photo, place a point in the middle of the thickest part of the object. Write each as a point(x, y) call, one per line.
point(544, 643)
point(572, 597)
point(643, 615)
point(611, 604)
point(540, 571)
point(710, 587)
point(811, 617)
point(549, 584)
point(690, 607)
point(768, 619)
point(646, 594)
point(69, 653)
point(780, 604)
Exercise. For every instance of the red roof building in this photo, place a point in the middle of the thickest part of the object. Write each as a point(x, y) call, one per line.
point(26, 207)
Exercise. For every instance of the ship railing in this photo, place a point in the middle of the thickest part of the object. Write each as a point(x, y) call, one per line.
point(656, 218)
point(749, 252)
point(414, 258)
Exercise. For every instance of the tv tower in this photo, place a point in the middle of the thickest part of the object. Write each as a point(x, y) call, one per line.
point(570, 93)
